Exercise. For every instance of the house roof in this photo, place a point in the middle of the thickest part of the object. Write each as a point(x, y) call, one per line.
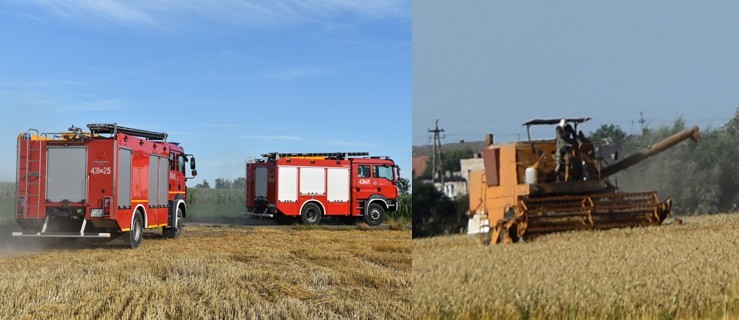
point(419, 165)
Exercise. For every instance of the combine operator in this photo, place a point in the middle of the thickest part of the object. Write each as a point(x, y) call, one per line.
point(566, 142)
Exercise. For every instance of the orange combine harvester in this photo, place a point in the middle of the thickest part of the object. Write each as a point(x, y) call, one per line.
point(520, 194)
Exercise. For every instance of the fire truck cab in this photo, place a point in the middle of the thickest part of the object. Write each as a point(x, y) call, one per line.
point(316, 185)
point(110, 182)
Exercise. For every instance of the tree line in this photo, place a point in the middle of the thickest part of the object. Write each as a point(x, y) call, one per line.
point(701, 178)
point(222, 183)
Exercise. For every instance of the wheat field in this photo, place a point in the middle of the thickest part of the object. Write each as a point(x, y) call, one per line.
point(216, 272)
point(669, 272)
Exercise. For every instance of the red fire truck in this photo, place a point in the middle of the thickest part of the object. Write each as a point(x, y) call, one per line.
point(315, 185)
point(111, 182)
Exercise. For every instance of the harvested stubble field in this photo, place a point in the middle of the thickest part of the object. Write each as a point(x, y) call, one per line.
point(670, 272)
point(217, 272)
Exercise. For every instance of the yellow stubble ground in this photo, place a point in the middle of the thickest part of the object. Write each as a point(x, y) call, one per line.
point(668, 272)
point(217, 272)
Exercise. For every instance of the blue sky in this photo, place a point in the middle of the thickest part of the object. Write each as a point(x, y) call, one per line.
point(229, 79)
point(488, 66)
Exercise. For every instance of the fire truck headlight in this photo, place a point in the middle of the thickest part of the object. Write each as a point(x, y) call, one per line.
point(96, 213)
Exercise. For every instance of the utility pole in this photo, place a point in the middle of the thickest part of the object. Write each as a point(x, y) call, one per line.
point(642, 121)
point(437, 173)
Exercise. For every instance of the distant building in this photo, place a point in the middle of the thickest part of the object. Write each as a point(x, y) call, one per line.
point(454, 186)
point(469, 165)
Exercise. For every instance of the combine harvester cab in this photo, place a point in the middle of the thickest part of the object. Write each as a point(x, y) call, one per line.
point(110, 182)
point(520, 195)
point(311, 186)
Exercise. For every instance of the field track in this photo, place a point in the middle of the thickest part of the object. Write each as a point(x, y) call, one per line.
point(669, 272)
point(214, 272)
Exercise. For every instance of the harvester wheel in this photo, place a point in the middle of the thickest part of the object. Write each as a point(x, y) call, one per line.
point(311, 214)
point(375, 215)
point(174, 233)
point(136, 232)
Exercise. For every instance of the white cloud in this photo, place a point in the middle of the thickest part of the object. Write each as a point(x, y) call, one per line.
point(53, 96)
point(275, 137)
point(168, 13)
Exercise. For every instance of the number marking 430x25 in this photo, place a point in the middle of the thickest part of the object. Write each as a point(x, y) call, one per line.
point(100, 170)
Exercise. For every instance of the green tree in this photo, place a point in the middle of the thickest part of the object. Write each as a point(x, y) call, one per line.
point(222, 183)
point(433, 212)
point(608, 134)
point(405, 205)
point(700, 178)
point(239, 183)
point(203, 185)
point(449, 161)
point(403, 185)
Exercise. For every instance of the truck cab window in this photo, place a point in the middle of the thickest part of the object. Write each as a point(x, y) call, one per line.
point(384, 172)
point(181, 164)
point(363, 171)
point(171, 162)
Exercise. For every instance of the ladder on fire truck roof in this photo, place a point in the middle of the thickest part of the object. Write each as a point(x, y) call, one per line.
point(112, 128)
point(327, 155)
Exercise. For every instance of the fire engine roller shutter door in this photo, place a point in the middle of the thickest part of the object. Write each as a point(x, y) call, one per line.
point(163, 181)
point(287, 188)
point(338, 185)
point(153, 178)
point(66, 174)
point(260, 182)
point(313, 181)
point(124, 177)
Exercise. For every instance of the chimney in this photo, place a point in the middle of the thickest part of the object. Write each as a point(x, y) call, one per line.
point(489, 139)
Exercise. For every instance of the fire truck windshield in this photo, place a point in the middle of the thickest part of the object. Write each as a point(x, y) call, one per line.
point(384, 172)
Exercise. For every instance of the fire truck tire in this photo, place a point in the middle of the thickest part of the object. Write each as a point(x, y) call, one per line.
point(174, 233)
point(375, 215)
point(311, 214)
point(136, 232)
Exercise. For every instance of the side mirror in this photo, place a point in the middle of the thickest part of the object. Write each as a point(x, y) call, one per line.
point(194, 172)
point(192, 163)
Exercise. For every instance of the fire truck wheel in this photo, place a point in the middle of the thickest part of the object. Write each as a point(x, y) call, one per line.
point(311, 214)
point(174, 233)
point(375, 215)
point(137, 230)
